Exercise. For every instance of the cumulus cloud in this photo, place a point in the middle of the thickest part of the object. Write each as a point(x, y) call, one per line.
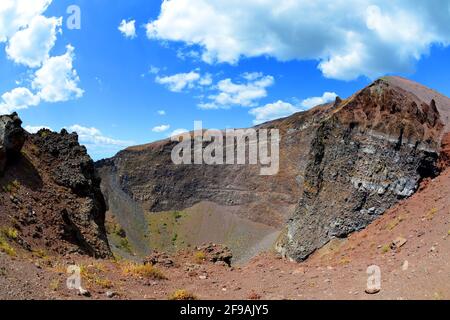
point(181, 81)
point(272, 111)
point(347, 38)
point(178, 132)
point(17, 99)
point(91, 136)
point(161, 112)
point(281, 109)
point(243, 94)
point(29, 38)
point(57, 80)
point(315, 101)
point(17, 14)
point(35, 129)
point(31, 46)
point(161, 128)
point(128, 28)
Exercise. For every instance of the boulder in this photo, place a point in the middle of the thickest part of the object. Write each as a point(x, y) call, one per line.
point(12, 138)
point(216, 253)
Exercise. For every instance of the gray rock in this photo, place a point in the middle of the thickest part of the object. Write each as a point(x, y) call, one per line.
point(12, 138)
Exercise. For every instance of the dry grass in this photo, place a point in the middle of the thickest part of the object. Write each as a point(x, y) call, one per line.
point(6, 247)
point(142, 270)
point(199, 257)
point(41, 253)
point(92, 274)
point(182, 295)
point(10, 233)
point(430, 214)
point(395, 222)
point(386, 248)
point(12, 187)
point(54, 284)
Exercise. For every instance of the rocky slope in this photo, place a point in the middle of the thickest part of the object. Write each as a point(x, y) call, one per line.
point(342, 165)
point(418, 269)
point(372, 150)
point(50, 194)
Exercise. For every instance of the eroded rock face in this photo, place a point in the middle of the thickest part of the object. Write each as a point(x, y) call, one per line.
point(373, 151)
point(51, 192)
point(70, 166)
point(12, 138)
point(341, 166)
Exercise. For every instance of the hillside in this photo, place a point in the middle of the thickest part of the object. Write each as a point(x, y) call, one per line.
point(417, 270)
point(50, 194)
point(373, 148)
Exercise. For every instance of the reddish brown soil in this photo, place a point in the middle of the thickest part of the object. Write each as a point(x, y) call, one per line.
point(337, 271)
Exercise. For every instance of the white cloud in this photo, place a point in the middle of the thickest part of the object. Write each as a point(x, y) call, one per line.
point(17, 99)
point(178, 132)
point(35, 129)
point(181, 81)
point(272, 111)
point(128, 28)
point(281, 109)
point(91, 136)
point(244, 94)
point(31, 46)
point(206, 80)
point(57, 80)
point(17, 14)
point(315, 101)
point(348, 38)
point(161, 112)
point(161, 128)
point(154, 70)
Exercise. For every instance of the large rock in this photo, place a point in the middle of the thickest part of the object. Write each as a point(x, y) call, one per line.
point(12, 138)
point(70, 166)
point(51, 191)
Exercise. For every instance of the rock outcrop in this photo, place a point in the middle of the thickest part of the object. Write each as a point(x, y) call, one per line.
point(51, 192)
point(373, 150)
point(12, 138)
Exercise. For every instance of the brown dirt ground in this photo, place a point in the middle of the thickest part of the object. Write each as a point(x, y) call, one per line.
point(337, 271)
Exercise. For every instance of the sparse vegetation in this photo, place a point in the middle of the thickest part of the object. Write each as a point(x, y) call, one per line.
point(12, 187)
point(345, 260)
point(93, 275)
point(438, 296)
point(103, 283)
point(386, 248)
point(10, 233)
point(430, 214)
point(199, 257)
point(125, 245)
point(54, 284)
point(143, 270)
point(174, 238)
point(6, 247)
point(182, 295)
point(395, 222)
point(177, 215)
point(40, 253)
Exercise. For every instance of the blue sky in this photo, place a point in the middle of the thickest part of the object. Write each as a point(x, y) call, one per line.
point(228, 64)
